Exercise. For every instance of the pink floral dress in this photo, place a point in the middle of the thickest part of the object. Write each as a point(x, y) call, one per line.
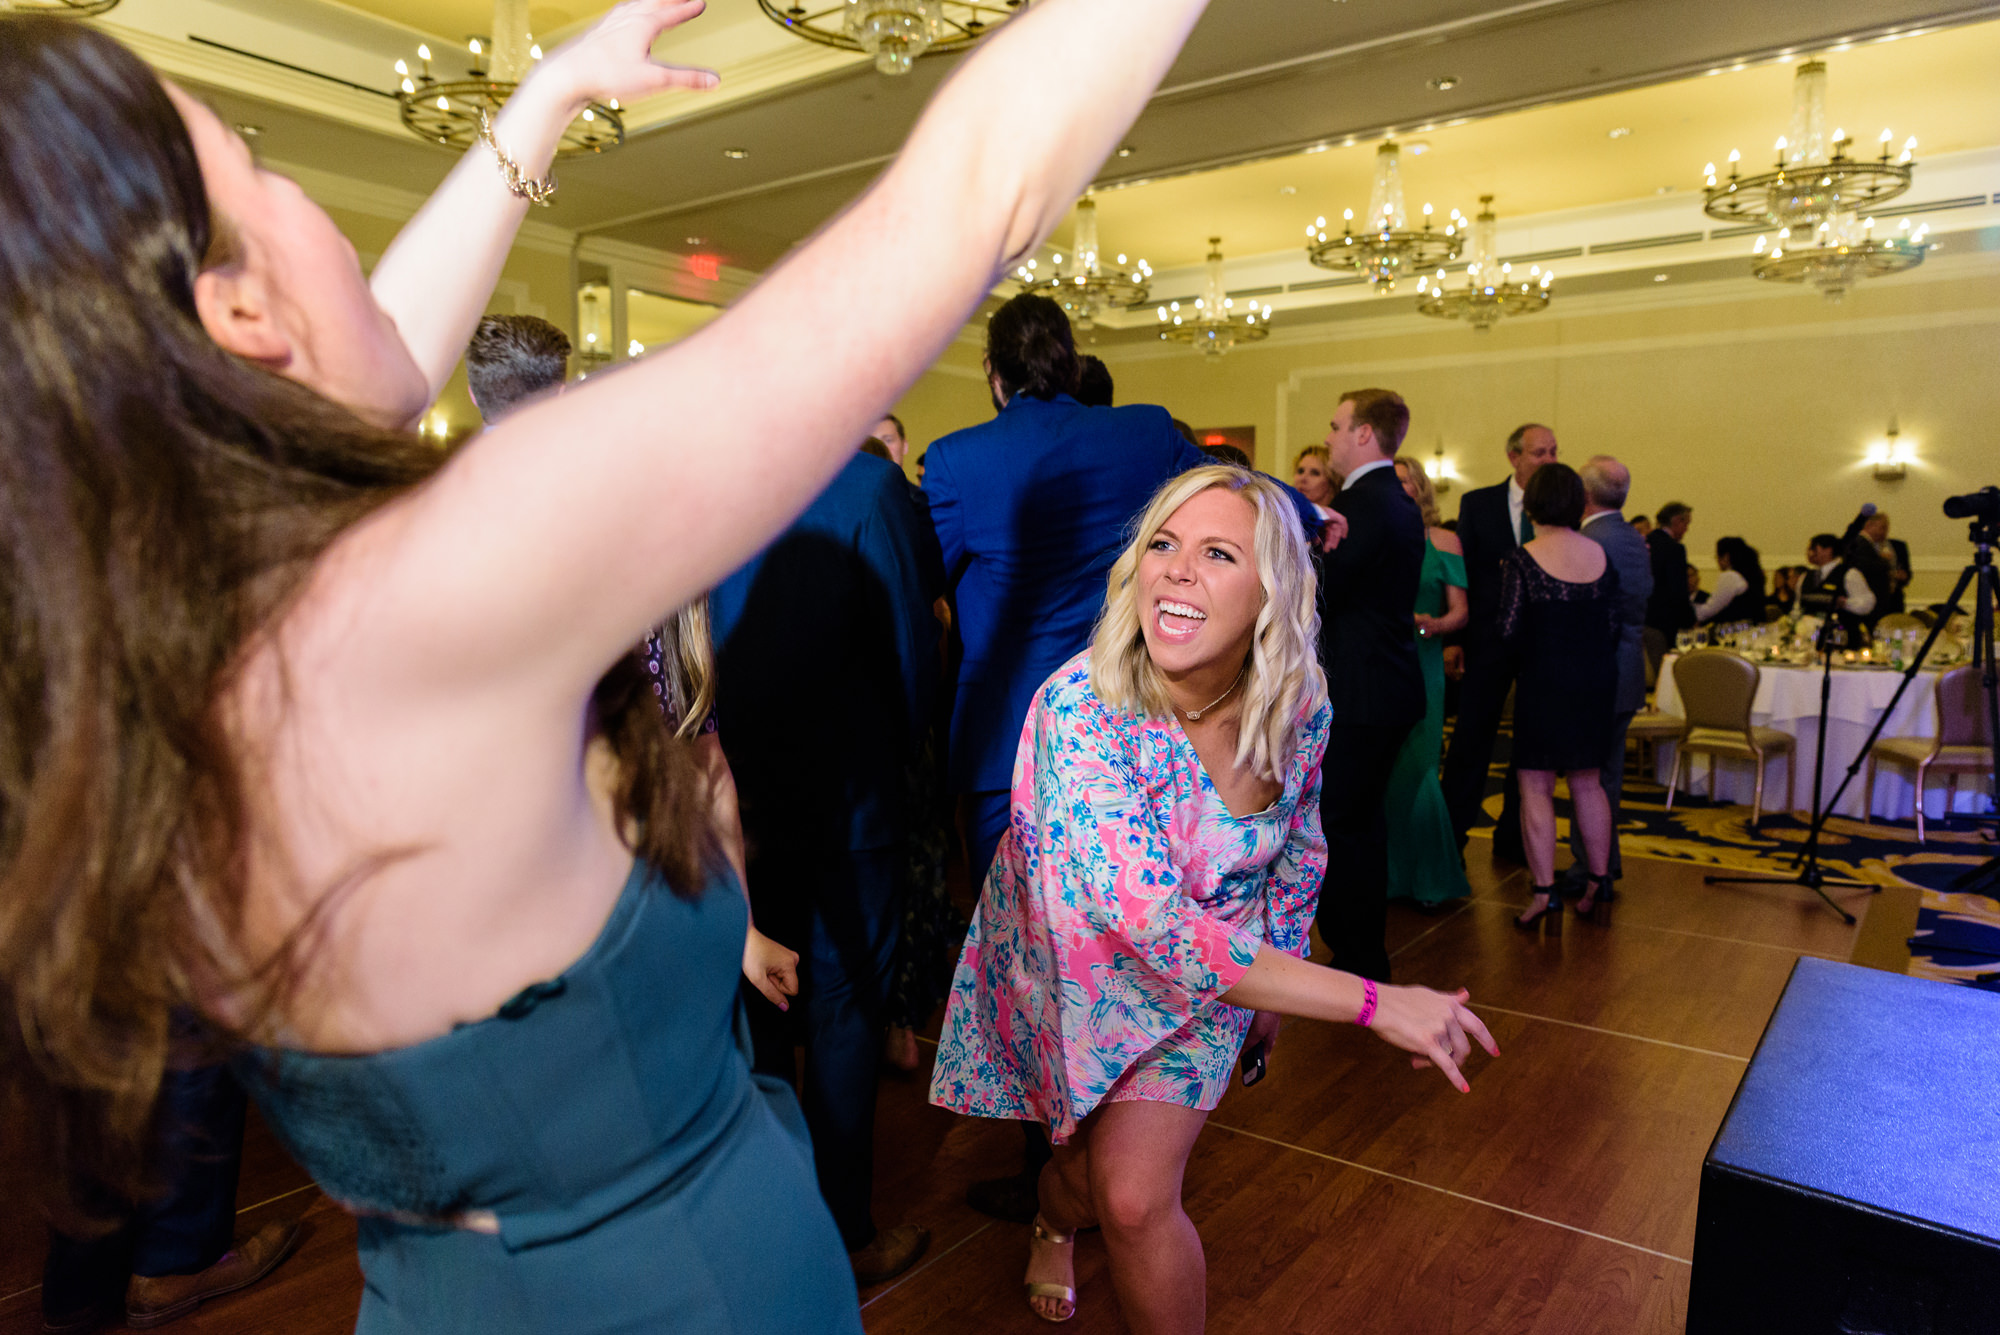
point(1123, 901)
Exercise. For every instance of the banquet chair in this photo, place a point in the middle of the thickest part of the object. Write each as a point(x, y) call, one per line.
point(1717, 689)
point(1896, 621)
point(1963, 744)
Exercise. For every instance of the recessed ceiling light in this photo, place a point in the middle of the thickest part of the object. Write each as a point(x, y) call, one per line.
point(1288, 190)
point(736, 154)
point(1417, 148)
point(1317, 148)
point(697, 240)
point(1659, 278)
point(1619, 132)
point(1127, 150)
point(1444, 83)
point(248, 131)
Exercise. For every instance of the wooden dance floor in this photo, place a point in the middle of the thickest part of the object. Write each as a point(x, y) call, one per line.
point(1346, 1193)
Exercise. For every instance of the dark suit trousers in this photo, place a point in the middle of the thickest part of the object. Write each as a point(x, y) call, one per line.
point(1354, 901)
point(841, 910)
point(1482, 699)
point(198, 1144)
point(1611, 775)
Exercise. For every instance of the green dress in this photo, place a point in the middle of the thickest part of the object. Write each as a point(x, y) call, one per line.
point(1424, 865)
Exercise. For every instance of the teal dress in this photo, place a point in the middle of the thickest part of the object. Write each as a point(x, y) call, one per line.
point(618, 1165)
point(1424, 865)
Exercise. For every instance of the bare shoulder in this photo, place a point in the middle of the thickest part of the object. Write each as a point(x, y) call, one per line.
point(1446, 541)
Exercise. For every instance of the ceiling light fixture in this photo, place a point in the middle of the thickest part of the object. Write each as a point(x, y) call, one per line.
point(1385, 248)
point(1490, 292)
point(1127, 150)
point(447, 110)
point(1213, 327)
point(1619, 132)
point(1819, 201)
point(736, 154)
point(1444, 83)
point(894, 32)
point(1085, 286)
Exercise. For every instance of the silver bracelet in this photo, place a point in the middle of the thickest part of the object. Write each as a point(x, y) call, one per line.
point(519, 183)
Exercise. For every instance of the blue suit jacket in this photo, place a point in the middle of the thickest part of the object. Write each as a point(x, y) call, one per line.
point(826, 660)
point(1031, 510)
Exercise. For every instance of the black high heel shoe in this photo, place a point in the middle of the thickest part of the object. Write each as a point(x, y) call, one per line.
point(1552, 910)
point(1599, 894)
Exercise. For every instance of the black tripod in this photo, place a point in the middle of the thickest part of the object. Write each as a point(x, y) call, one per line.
point(1983, 508)
point(1809, 874)
point(1981, 577)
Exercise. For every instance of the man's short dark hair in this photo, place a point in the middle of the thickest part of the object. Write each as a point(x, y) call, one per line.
point(1384, 411)
point(513, 358)
point(1093, 386)
point(1555, 496)
point(1671, 511)
point(1030, 347)
point(873, 445)
point(891, 417)
point(1824, 540)
point(1225, 453)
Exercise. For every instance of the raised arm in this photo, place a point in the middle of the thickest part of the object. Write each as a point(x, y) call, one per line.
point(437, 275)
point(553, 544)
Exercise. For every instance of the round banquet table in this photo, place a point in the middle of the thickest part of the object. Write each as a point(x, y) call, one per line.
point(1788, 699)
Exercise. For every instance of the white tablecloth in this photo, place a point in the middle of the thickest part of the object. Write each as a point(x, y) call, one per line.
point(1788, 699)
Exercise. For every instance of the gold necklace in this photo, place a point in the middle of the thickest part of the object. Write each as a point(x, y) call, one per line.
point(1194, 715)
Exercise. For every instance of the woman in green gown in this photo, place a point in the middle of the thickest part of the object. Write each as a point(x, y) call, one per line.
point(1424, 865)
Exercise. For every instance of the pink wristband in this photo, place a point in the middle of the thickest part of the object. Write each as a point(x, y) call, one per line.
point(1367, 1015)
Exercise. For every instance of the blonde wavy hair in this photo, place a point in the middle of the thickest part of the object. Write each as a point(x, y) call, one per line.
point(1283, 680)
point(1427, 498)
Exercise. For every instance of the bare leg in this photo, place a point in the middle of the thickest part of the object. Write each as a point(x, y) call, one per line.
point(1065, 1207)
point(1137, 1159)
point(1591, 810)
point(1538, 825)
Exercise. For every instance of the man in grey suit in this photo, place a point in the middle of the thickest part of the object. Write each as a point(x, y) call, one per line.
point(1605, 484)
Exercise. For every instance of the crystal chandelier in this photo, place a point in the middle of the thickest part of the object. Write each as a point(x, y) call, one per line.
point(447, 111)
point(1211, 326)
point(1085, 286)
point(1820, 201)
point(894, 32)
point(82, 9)
point(1387, 247)
point(1490, 292)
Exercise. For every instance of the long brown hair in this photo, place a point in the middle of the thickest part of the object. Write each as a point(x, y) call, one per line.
point(160, 500)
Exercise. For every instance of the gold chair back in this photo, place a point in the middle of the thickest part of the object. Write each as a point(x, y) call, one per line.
point(1716, 688)
point(1896, 621)
point(1961, 707)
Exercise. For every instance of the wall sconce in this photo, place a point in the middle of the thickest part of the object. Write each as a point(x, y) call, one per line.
point(1891, 457)
point(1439, 471)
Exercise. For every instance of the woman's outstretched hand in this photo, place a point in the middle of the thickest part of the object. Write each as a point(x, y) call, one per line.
point(614, 59)
point(771, 968)
point(1435, 1026)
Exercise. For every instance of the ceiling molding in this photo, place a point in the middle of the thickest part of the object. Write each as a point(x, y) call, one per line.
point(218, 68)
point(331, 190)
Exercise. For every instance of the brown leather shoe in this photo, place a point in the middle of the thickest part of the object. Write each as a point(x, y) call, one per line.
point(151, 1301)
point(893, 1251)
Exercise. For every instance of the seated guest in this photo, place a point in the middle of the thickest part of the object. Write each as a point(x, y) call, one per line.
point(1739, 588)
point(1094, 387)
point(1847, 593)
point(1148, 912)
point(1895, 554)
point(1784, 592)
point(1559, 614)
point(1670, 611)
point(1313, 475)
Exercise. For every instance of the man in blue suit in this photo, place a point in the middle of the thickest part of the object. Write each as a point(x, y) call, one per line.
point(1606, 483)
point(826, 661)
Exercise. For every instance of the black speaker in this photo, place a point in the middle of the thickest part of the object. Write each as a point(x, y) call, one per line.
point(1854, 1188)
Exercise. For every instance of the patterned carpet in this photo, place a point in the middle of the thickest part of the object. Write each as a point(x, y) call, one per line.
point(1957, 936)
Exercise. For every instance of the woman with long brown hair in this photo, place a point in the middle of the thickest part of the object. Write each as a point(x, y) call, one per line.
point(309, 732)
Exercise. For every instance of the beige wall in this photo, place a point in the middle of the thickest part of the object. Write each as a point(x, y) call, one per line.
point(1756, 409)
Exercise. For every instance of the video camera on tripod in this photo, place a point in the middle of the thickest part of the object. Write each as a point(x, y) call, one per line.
point(1982, 506)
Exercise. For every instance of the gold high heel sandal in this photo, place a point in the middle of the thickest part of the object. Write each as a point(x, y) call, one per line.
point(1043, 1289)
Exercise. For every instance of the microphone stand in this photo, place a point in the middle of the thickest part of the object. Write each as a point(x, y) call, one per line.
point(1809, 874)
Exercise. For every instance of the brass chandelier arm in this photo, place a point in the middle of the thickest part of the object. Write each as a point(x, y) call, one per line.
point(81, 9)
point(969, 20)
